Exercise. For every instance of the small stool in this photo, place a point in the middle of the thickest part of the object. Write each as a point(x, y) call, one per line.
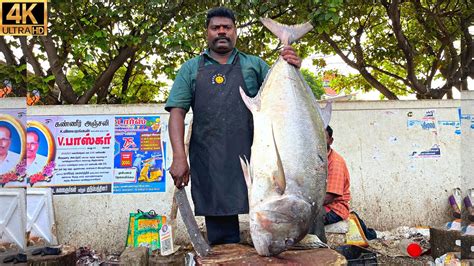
point(337, 228)
point(336, 233)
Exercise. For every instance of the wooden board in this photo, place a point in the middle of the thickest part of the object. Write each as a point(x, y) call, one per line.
point(66, 258)
point(443, 241)
point(237, 254)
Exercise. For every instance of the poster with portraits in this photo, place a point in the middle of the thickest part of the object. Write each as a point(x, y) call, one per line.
point(70, 154)
point(138, 157)
point(12, 147)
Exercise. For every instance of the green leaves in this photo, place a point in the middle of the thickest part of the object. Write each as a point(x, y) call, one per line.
point(90, 35)
point(314, 83)
point(325, 14)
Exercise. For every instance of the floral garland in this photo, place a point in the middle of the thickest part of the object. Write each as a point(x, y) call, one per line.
point(45, 175)
point(18, 174)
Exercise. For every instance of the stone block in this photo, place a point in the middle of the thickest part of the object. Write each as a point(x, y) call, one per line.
point(443, 241)
point(337, 228)
point(134, 256)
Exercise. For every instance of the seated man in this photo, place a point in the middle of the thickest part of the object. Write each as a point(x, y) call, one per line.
point(336, 201)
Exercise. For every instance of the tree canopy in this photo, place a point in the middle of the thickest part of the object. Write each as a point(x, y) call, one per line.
point(124, 51)
point(400, 47)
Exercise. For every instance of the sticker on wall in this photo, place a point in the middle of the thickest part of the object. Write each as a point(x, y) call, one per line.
point(469, 118)
point(430, 114)
point(424, 124)
point(427, 122)
point(391, 112)
point(433, 152)
point(450, 123)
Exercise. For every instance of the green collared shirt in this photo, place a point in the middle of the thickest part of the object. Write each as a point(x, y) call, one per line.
point(254, 71)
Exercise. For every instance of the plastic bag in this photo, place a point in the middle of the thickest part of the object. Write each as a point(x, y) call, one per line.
point(355, 235)
point(144, 228)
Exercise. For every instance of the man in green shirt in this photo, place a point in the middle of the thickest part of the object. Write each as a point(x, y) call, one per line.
point(222, 125)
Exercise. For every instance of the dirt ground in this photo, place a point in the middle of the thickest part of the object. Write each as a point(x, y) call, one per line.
point(385, 260)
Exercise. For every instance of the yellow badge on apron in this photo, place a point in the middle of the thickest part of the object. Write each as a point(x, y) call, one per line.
point(218, 79)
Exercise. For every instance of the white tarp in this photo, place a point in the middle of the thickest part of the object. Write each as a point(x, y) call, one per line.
point(12, 217)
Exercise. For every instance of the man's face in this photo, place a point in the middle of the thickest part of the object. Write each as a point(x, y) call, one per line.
point(221, 35)
point(329, 140)
point(31, 145)
point(5, 141)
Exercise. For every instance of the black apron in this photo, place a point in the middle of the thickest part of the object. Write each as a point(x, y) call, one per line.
point(222, 131)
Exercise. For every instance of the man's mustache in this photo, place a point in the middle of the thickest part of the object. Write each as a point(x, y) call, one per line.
point(221, 38)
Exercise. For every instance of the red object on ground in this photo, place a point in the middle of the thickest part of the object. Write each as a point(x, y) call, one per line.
point(414, 250)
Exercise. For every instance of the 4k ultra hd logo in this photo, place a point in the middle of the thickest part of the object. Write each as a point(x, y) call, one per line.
point(23, 17)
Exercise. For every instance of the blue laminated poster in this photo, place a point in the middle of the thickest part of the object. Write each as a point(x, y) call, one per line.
point(138, 155)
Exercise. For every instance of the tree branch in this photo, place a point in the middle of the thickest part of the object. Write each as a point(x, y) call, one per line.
point(106, 77)
point(102, 83)
point(395, 76)
point(128, 74)
point(403, 43)
point(56, 67)
point(434, 66)
point(279, 14)
point(467, 53)
point(362, 70)
point(7, 52)
point(30, 57)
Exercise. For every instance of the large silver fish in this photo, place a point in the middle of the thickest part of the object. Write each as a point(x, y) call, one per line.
point(286, 176)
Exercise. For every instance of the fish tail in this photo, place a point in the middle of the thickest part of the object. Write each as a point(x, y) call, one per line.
point(287, 34)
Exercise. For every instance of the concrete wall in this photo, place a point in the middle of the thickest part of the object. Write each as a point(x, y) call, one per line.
point(467, 147)
point(389, 186)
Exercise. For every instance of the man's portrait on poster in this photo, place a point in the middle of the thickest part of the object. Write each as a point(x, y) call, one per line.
point(12, 139)
point(40, 151)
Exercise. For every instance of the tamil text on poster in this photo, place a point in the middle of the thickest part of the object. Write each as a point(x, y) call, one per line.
point(72, 154)
point(138, 157)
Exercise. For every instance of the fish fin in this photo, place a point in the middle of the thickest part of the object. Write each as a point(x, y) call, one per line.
point(279, 174)
point(253, 104)
point(326, 113)
point(247, 172)
point(287, 33)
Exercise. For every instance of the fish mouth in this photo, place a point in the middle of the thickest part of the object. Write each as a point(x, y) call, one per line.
point(288, 210)
point(279, 224)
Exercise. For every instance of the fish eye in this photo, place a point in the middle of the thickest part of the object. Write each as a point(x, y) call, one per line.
point(289, 242)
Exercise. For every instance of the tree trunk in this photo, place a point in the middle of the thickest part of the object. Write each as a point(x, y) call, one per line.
point(7, 52)
point(65, 87)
